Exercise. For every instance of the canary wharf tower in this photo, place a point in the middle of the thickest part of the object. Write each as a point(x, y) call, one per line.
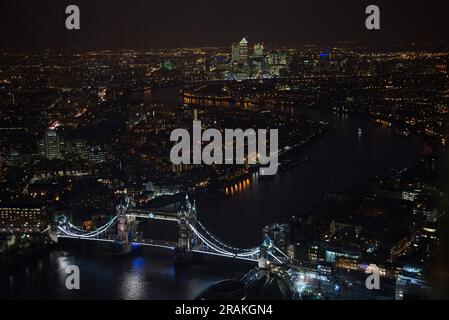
point(243, 51)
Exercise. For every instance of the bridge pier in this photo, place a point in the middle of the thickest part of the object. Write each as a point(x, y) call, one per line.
point(53, 233)
point(122, 224)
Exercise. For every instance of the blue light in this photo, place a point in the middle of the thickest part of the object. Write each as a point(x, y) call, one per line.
point(138, 263)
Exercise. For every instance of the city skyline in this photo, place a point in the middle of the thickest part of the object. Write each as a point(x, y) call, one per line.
point(228, 151)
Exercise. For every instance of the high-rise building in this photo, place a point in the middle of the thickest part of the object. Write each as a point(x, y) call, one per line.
point(97, 154)
point(235, 53)
point(51, 146)
point(77, 147)
point(168, 65)
point(243, 51)
point(277, 58)
point(260, 64)
point(258, 50)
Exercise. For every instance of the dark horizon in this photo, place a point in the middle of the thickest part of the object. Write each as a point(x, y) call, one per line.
point(141, 24)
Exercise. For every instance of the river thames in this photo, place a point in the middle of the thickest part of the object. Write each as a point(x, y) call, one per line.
point(360, 147)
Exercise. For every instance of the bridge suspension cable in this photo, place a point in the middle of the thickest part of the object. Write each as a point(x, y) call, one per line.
point(91, 234)
point(221, 243)
point(208, 243)
point(202, 234)
point(276, 258)
point(222, 250)
point(48, 228)
point(75, 227)
point(285, 256)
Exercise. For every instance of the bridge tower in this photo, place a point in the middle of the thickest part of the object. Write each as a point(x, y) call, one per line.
point(265, 247)
point(126, 225)
point(187, 216)
point(53, 233)
point(122, 224)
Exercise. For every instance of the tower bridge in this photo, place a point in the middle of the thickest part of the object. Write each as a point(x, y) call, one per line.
point(193, 236)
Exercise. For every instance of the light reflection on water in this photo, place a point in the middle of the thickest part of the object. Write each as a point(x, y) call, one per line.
point(336, 162)
point(147, 274)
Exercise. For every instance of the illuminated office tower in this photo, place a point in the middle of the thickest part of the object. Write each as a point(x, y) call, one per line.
point(283, 58)
point(79, 148)
point(243, 51)
point(97, 154)
point(235, 53)
point(258, 50)
point(277, 58)
point(168, 65)
point(273, 58)
point(51, 146)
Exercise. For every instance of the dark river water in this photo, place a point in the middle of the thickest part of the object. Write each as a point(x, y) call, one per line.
point(337, 162)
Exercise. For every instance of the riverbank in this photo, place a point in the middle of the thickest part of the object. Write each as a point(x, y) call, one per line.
point(22, 248)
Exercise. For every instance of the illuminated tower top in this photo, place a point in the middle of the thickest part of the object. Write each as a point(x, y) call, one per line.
point(243, 42)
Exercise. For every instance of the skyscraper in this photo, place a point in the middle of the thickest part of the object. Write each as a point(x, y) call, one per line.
point(51, 146)
point(243, 51)
point(235, 53)
point(258, 50)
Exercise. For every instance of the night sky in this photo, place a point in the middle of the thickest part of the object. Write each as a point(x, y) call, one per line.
point(174, 23)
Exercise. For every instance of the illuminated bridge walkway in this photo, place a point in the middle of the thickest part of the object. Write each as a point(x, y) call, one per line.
point(192, 235)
